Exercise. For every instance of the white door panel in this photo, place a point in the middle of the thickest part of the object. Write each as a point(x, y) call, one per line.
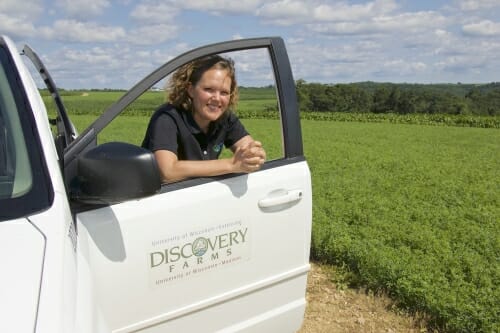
point(22, 255)
point(159, 260)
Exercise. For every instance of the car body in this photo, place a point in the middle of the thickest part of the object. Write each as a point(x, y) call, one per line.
point(91, 241)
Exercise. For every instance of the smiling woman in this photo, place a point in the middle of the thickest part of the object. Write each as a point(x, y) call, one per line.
point(188, 133)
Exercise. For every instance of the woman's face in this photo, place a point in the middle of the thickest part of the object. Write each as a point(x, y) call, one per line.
point(210, 95)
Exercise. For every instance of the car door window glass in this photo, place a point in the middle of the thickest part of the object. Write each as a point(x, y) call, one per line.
point(258, 107)
point(15, 170)
point(25, 186)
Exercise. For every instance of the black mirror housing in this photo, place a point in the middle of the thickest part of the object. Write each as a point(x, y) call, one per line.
point(115, 172)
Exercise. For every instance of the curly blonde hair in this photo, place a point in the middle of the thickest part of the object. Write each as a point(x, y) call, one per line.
point(191, 73)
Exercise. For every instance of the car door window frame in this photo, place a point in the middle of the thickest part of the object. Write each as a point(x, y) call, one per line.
point(285, 85)
point(65, 131)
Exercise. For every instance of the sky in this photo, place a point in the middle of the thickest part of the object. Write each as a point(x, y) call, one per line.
point(113, 44)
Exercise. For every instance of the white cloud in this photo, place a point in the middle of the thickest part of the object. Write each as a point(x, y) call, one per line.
point(341, 18)
point(408, 22)
point(152, 34)
point(440, 33)
point(295, 40)
point(412, 21)
point(401, 67)
point(471, 5)
point(151, 12)
point(17, 17)
point(104, 67)
point(116, 66)
point(154, 16)
point(94, 56)
point(449, 48)
point(484, 28)
point(83, 32)
point(288, 12)
point(83, 8)
point(335, 62)
point(160, 11)
point(345, 12)
point(219, 6)
point(462, 64)
point(16, 27)
point(253, 67)
point(28, 9)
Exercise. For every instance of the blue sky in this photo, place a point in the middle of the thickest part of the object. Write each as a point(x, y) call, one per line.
point(113, 44)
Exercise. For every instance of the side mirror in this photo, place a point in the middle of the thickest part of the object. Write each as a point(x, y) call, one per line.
point(115, 172)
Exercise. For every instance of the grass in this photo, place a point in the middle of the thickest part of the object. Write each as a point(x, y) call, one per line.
point(411, 210)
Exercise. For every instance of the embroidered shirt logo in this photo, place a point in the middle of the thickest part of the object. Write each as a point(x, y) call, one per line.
point(218, 148)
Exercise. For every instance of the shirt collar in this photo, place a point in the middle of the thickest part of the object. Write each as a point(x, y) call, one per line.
point(193, 127)
point(191, 124)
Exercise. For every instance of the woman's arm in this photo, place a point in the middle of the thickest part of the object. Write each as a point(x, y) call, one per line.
point(248, 157)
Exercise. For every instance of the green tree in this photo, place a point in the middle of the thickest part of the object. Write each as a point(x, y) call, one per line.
point(380, 100)
point(304, 101)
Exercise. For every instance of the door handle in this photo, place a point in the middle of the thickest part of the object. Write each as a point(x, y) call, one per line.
point(280, 198)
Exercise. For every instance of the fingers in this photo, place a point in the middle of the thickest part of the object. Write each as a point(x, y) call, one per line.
point(252, 145)
point(253, 149)
point(253, 160)
point(255, 144)
point(249, 167)
point(250, 157)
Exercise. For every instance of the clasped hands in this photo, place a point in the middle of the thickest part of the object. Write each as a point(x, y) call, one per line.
point(249, 157)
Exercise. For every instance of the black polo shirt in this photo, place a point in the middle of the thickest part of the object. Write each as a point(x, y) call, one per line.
point(177, 131)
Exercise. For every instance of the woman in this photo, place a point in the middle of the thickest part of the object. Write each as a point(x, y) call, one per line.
point(187, 134)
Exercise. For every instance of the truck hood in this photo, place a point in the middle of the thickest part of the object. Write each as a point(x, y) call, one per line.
point(22, 248)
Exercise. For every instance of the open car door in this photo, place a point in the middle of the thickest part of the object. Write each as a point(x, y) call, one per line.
point(227, 254)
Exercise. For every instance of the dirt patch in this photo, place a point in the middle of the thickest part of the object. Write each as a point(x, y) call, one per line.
point(331, 309)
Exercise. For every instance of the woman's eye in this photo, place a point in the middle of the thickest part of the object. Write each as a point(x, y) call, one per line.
point(213, 91)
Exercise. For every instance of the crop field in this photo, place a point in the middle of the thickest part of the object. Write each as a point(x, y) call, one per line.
point(411, 210)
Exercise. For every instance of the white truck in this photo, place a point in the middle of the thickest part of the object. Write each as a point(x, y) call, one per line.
point(91, 241)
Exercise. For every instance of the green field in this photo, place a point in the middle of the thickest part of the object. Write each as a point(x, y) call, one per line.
point(411, 210)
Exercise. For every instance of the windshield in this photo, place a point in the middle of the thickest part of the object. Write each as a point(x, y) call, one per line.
point(15, 170)
point(23, 176)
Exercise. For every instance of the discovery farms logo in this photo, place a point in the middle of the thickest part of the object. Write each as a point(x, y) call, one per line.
point(193, 252)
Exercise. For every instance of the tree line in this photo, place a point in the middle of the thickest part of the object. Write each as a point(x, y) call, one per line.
point(464, 99)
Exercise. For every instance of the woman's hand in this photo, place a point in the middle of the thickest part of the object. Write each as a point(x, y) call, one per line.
point(249, 157)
